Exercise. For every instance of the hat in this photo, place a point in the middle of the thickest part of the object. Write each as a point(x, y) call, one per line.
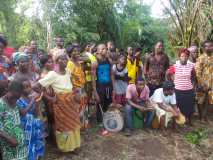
point(168, 85)
point(180, 119)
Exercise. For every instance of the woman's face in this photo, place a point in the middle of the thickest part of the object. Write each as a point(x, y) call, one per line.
point(159, 47)
point(75, 54)
point(23, 64)
point(49, 64)
point(183, 58)
point(62, 61)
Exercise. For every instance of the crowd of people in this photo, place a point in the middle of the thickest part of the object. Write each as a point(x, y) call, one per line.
point(46, 94)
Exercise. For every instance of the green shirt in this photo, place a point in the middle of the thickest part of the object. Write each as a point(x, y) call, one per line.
point(10, 123)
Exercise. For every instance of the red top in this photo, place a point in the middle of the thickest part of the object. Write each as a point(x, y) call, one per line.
point(8, 51)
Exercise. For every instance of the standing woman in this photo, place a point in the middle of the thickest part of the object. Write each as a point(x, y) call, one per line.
point(184, 73)
point(22, 61)
point(78, 77)
point(66, 107)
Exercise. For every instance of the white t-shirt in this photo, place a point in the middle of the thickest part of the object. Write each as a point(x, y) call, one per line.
point(159, 97)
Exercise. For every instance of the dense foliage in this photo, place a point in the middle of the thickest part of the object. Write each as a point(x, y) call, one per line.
point(123, 22)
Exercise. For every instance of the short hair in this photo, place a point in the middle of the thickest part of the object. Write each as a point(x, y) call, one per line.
point(207, 41)
point(140, 79)
point(15, 86)
point(168, 85)
point(3, 41)
point(44, 59)
point(70, 48)
point(183, 50)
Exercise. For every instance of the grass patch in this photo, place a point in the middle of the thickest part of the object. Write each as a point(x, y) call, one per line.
point(196, 136)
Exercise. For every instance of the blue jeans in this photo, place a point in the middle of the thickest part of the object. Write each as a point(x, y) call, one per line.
point(129, 116)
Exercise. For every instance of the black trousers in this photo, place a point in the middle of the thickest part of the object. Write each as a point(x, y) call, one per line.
point(105, 94)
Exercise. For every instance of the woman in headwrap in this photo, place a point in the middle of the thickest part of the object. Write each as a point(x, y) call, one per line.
point(66, 107)
point(184, 90)
point(22, 62)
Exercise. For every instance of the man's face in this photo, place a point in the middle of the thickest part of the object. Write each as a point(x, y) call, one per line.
point(102, 50)
point(193, 51)
point(168, 92)
point(33, 45)
point(60, 42)
point(110, 46)
point(140, 85)
point(159, 47)
point(208, 47)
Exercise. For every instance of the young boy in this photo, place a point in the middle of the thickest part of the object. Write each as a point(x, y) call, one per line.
point(137, 96)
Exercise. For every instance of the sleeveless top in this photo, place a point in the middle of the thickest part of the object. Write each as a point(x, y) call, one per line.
point(103, 72)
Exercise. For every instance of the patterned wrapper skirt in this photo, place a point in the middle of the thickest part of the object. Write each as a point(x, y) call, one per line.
point(67, 122)
point(186, 101)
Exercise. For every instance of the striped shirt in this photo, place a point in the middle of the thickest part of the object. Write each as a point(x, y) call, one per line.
point(183, 76)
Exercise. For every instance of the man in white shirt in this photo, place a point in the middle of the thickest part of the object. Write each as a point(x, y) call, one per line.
point(165, 101)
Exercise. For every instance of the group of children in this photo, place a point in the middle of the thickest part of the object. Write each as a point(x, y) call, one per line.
point(46, 94)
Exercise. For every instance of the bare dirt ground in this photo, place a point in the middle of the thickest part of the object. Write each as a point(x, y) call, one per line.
point(142, 145)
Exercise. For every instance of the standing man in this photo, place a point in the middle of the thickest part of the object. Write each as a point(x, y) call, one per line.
point(134, 65)
point(112, 54)
point(33, 53)
point(155, 67)
point(58, 50)
point(102, 81)
point(204, 72)
point(193, 49)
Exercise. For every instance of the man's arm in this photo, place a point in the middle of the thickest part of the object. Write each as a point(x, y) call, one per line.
point(146, 65)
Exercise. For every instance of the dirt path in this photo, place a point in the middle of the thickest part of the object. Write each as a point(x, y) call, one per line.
point(143, 145)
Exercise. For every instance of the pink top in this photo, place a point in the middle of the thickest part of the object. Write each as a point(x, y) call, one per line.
point(131, 93)
point(183, 75)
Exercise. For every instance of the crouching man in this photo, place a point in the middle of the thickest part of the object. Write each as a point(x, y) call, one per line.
point(165, 104)
point(137, 96)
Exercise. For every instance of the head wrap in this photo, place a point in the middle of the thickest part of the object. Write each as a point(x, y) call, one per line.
point(168, 85)
point(183, 50)
point(17, 56)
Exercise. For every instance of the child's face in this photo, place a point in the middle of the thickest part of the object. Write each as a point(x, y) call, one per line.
point(27, 87)
point(49, 65)
point(122, 60)
point(140, 85)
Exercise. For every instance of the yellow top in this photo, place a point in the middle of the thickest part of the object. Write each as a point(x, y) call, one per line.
point(59, 83)
point(133, 69)
point(92, 59)
point(77, 74)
